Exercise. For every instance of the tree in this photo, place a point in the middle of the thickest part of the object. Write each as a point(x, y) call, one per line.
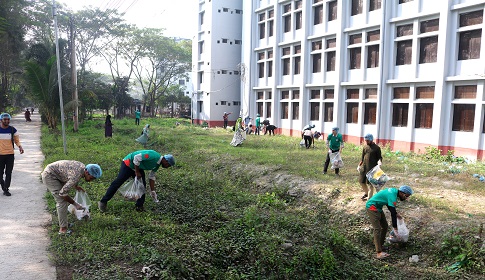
point(174, 98)
point(41, 76)
point(161, 63)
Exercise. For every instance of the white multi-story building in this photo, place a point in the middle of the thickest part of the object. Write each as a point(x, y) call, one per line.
point(410, 72)
point(216, 57)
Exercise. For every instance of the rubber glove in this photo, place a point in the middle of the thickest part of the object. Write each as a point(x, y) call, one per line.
point(153, 194)
point(379, 162)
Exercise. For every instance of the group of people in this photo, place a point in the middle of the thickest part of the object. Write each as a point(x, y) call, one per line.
point(62, 176)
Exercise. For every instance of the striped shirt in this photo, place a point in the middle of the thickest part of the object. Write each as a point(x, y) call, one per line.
point(6, 147)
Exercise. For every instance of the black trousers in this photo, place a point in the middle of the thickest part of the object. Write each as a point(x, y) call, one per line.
point(125, 173)
point(6, 167)
point(327, 162)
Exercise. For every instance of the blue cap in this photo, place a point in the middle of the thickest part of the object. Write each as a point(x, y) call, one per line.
point(335, 128)
point(94, 170)
point(257, 115)
point(170, 159)
point(5, 116)
point(369, 137)
point(406, 189)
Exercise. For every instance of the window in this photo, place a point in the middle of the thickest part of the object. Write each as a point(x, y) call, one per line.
point(425, 92)
point(259, 95)
point(201, 77)
point(374, 35)
point(201, 18)
point(328, 94)
point(404, 52)
point(296, 59)
point(328, 116)
point(370, 93)
point(286, 66)
point(315, 94)
point(295, 110)
point(355, 39)
point(405, 30)
point(374, 5)
point(331, 43)
point(428, 49)
point(373, 56)
point(370, 110)
point(330, 61)
point(472, 18)
point(270, 68)
point(268, 109)
point(466, 92)
point(355, 57)
point(270, 23)
point(223, 102)
point(316, 63)
point(424, 115)
point(287, 23)
point(298, 20)
point(261, 69)
point(201, 47)
point(356, 7)
point(314, 111)
point(405, 1)
point(401, 93)
point(262, 25)
point(269, 95)
point(225, 10)
point(284, 110)
point(429, 26)
point(469, 46)
point(352, 112)
point(224, 41)
point(353, 93)
point(238, 11)
point(259, 108)
point(223, 71)
point(318, 14)
point(463, 117)
point(181, 82)
point(237, 42)
point(285, 94)
point(400, 114)
point(296, 94)
point(332, 10)
point(317, 45)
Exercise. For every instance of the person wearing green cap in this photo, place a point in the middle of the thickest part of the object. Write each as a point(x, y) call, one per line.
point(61, 176)
point(135, 164)
point(374, 205)
point(258, 124)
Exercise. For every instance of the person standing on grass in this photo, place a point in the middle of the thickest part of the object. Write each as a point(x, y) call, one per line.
point(8, 137)
point(135, 164)
point(335, 143)
point(387, 197)
point(238, 137)
point(108, 127)
point(258, 124)
point(307, 135)
point(137, 117)
point(225, 118)
point(60, 177)
point(371, 156)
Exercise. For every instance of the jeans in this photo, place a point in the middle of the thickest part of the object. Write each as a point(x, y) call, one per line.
point(225, 123)
point(125, 173)
point(137, 121)
point(327, 162)
point(6, 166)
point(308, 141)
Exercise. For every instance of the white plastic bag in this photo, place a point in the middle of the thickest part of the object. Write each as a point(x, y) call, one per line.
point(83, 199)
point(377, 177)
point(132, 190)
point(336, 160)
point(302, 143)
point(402, 230)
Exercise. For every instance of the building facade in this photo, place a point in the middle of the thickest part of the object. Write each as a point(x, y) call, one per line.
point(410, 72)
point(216, 58)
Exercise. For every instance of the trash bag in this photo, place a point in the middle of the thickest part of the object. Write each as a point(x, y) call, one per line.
point(132, 190)
point(302, 143)
point(336, 160)
point(377, 177)
point(403, 232)
point(83, 199)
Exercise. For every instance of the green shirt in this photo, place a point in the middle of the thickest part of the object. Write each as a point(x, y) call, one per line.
point(335, 141)
point(144, 159)
point(386, 197)
point(258, 121)
point(137, 114)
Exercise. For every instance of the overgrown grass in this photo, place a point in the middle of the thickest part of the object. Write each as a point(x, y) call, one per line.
point(224, 215)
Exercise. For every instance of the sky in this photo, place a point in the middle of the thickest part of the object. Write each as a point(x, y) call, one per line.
point(177, 17)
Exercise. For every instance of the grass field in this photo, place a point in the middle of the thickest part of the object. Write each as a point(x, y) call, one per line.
point(263, 210)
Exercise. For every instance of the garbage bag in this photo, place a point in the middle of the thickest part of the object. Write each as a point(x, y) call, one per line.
point(336, 160)
point(377, 177)
point(132, 190)
point(403, 232)
point(83, 199)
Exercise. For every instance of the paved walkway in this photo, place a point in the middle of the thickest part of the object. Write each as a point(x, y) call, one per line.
point(23, 216)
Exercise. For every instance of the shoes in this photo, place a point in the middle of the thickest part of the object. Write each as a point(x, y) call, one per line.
point(324, 172)
point(140, 209)
point(382, 255)
point(67, 232)
point(102, 206)
point(364, 197)
point(7, 193)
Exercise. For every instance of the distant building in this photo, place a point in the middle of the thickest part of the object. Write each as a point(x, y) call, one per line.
point(411, 72)
point(216, 57)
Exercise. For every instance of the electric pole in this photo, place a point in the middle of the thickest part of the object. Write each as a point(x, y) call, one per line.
point(74, 74)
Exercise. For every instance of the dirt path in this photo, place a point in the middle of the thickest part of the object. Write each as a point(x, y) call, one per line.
point(23, 216)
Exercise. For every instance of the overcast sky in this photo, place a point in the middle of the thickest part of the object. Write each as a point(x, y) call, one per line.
point(177, 17)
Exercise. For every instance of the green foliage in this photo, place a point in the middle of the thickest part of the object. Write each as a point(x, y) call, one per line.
point(464, 250)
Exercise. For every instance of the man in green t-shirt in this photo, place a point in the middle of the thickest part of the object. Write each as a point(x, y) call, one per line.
point(386, 197)
point(137, 117)
point(258, 124)
point(335, 143)
point(135, 164)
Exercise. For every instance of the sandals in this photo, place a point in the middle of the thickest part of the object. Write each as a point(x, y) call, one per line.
point(67, 232)
point(382, 255)
point(364, 197)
